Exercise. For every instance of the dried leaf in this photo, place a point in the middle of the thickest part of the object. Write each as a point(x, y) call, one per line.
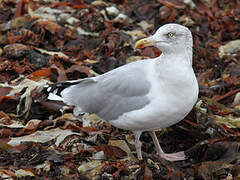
point(43, 72)
point(147, 174)
point(5, 119)
point(207, 170)
point(111, 152)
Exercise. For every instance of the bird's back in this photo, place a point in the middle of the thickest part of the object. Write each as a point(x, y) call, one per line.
point(171, 97)
point(112, 94)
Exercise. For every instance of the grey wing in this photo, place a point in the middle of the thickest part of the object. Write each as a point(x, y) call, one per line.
point(112, 94)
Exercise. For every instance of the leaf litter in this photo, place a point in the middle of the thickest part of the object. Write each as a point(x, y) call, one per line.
point(42, 42)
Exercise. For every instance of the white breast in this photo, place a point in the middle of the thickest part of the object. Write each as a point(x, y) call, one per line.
point(172, 97)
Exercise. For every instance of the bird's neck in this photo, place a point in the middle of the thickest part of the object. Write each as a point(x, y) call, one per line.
point(189, 54)
point(175, 70)
point(182, 55)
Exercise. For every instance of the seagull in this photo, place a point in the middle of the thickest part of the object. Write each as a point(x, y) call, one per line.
point(145, 95)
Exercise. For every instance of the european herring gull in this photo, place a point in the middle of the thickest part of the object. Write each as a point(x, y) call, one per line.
point(145, 95)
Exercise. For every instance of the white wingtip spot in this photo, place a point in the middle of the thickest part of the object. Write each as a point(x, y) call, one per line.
point(48, 89)
point(54, 97)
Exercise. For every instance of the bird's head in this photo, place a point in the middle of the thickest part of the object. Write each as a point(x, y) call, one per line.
point(169, 38)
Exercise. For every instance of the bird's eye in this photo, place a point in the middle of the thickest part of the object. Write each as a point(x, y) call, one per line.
point(170, 34)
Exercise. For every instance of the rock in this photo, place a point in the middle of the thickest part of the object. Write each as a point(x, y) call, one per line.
point(135, 34)
point(123, 17)
point(69, 19)
point(15, 50)
point(43, 168)
point(186, 20)
point(90, 169)
point(81, 31)
point(99, 3)
point(236, 99)
point(21, 173)
point(91, 120)
point(112, 11)
point(190, 3)
point(145, 25)
point(99, 155)
point(45, 13)
point(37, 59)
point(229, 48)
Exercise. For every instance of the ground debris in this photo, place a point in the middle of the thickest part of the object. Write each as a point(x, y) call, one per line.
point(43, 42)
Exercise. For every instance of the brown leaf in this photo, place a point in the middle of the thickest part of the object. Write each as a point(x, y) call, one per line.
point(51, 106)
point(221, 97)
point(8, 172)
point(31, 128)
point(59, 4)
point(111, 152)
point(204, 10)
point(21, 147)
point(18, 11)
point(147, 173)
point(205, 76)
point(5, 119)
point(4, 91)
point(223, 151)
point(151, 52)
point(236, 172)
point(210, 169)
point(115, 168)
point(60, 71)
point(172, 16)
point(45, 72)
point(8, 104)
point(72, 126)
point(172, 4)
point(174, 175)
point(5, 146)
point(80, 6)
point(51, 26)
point(76, 72)
point(4, 132)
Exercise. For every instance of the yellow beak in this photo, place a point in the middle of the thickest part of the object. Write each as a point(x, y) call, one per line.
point(144, 43)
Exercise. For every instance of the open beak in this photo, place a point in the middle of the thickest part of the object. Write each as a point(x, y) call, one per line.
point(145, 43)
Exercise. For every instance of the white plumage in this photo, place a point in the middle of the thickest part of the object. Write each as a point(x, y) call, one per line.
point(145, 95)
